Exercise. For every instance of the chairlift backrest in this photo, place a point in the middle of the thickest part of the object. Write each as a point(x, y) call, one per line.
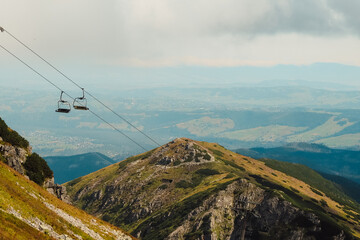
point(80, 103)
point(63, 106)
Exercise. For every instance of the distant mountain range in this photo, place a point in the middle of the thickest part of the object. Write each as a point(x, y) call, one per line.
point(339, 162)
point(67, 168)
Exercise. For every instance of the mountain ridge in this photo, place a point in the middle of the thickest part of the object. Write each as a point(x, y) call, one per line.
point(340, 162)
point(192, 190)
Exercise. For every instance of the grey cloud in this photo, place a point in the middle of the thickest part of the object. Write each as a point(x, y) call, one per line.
point(349, 9)
point(171, 32)
point(293, 16)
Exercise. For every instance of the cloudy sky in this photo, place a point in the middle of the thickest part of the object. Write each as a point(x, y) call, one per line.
point(168, 33)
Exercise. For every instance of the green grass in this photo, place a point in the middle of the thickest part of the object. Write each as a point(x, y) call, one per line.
point(316, 191)
point(13, 228)
point(217, 152)
point(329, 225)
point(207, 172)
point(12, 136)
point(197, 178)
point(2, 159)
point(185, 188)
point(15, 193)
point(232, 164)
point(314, 179)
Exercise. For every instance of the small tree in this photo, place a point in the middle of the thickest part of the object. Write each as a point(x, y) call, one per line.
point(37, 169)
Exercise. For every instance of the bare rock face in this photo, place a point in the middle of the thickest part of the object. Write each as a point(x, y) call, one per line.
point(15, 156)
point(58, 190)
point(245, 211)
point(182, 154)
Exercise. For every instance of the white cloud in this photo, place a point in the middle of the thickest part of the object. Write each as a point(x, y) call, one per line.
point(87, 125)
point(4, 107)
point(196, 32)
point(63, 118)
point(121, 126)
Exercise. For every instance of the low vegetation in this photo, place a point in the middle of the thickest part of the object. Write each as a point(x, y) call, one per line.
point(30, 201)
point(170, 192)
point(314, 179)
point(37, 169)
point(164, 223)
point(11, 136)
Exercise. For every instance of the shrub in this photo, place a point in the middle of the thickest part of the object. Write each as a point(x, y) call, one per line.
point(316, 191)
point(37, 169)
point(164, 186)
point(183, 184)
point(323, 203)
point(217, 152)
point(230, 175)
point(12, 136)
point(177, 162)
point(4, 160)
point(207, 172)
point(233, 164)
point(207, 157)
point(295, 190)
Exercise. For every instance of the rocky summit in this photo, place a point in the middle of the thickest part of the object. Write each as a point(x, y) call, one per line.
point(197, 190)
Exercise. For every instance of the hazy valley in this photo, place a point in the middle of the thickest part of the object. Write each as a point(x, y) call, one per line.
point(235, 118)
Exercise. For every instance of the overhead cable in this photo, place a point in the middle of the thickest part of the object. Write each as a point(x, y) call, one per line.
point(95, 114)
point(68, 78)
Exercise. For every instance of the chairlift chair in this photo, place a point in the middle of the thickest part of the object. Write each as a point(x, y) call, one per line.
point(80, 103)
point(63, 106)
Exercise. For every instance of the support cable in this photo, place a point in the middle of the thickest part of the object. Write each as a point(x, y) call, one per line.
point(68, 78)
point(95, 114)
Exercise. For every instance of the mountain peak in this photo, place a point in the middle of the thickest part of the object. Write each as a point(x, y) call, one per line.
point(181, 151)
point(188, 189)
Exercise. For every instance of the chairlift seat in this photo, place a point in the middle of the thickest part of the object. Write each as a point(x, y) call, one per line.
point(80, 103)
point(63, 106)
point(62, 110)
point(80, 107)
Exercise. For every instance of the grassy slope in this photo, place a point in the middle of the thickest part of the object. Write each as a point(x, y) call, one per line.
point(305, 191)
point(27, 198)
point(314, 179)
point(193, 187)
point(349, 187)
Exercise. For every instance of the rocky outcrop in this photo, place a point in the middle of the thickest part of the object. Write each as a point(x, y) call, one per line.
point(58, 190)
point(245, 211)
point(182, 153)
point(16, 156)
